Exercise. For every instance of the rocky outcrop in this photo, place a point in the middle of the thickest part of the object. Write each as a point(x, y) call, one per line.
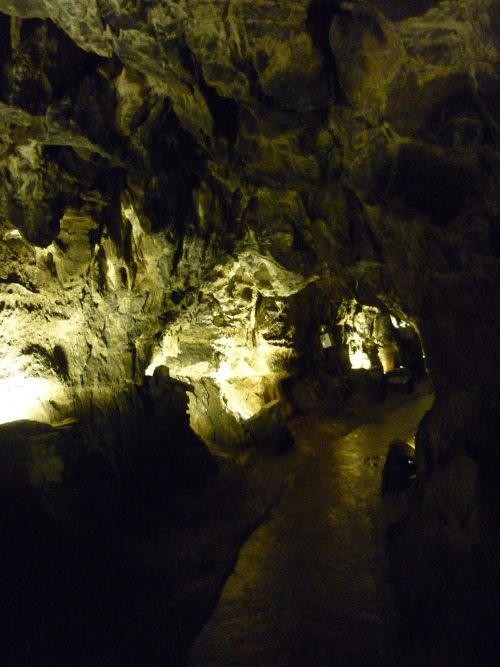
point(174, 176)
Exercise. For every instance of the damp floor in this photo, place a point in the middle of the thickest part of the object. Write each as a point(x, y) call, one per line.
point(305, 588)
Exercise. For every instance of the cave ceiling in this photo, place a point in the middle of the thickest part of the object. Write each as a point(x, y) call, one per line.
point(184, 169)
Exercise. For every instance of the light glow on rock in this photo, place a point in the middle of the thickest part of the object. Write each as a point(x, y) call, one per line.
point(169, 348)
point(157, 360)
point(25, 398)
point(242, 370)
point(12, 234)
point(399, 324)
point(244, 396)
point(241, 375)
point(359, 359)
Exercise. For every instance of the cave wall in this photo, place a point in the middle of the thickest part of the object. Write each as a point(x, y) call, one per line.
point(166, 168)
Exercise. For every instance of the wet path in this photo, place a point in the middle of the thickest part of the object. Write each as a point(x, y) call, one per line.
point(303, 592)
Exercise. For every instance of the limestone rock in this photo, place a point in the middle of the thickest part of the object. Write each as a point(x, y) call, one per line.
point(399, 468)
point(178, 177)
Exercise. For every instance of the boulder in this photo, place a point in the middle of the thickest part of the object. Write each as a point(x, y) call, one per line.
point(399, 468)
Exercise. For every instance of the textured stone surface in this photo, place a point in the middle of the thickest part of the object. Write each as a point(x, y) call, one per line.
point(176, 175)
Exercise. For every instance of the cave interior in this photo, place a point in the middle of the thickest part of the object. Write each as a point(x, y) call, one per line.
point(216, 217)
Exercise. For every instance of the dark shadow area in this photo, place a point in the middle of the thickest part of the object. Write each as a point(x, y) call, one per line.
point(398, 10)
point(434, 186)
point(320, 14)
point(118, 532)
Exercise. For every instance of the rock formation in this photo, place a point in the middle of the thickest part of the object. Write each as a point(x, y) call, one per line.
point(201, 184)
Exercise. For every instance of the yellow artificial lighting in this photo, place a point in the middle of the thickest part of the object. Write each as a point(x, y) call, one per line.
point(12, 234)
point(157, 360)
point(24, 397)
point(359, 359)
point(240, 370)
point(399, 324)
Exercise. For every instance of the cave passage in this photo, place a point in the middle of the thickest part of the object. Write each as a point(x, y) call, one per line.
point(215, 216)
point(304, 588)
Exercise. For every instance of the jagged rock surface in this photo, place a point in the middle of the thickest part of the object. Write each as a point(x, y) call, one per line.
point(174, 174)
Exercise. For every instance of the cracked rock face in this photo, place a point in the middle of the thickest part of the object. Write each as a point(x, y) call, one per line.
point(176, 174)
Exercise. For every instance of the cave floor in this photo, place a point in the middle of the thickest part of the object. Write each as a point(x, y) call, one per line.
point(280, 546)
point(307, 586)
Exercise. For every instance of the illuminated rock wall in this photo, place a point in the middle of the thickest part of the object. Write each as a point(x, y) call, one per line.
point(173, 174)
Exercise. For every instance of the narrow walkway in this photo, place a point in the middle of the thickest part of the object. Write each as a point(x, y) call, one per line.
point(303, 592)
